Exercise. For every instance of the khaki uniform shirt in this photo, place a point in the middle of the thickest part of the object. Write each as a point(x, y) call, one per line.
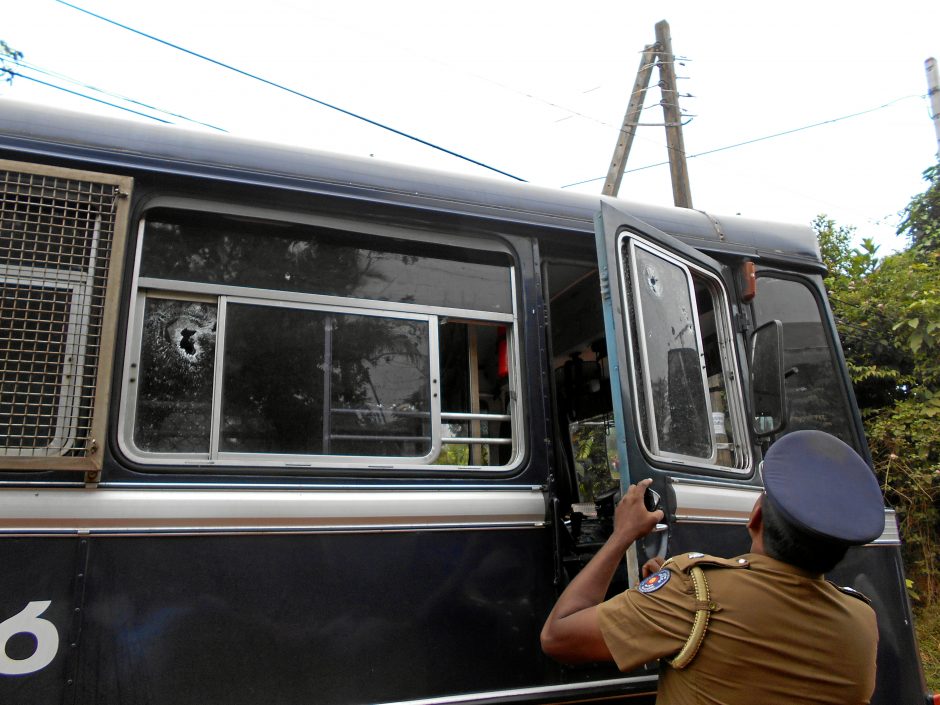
point(777, 635)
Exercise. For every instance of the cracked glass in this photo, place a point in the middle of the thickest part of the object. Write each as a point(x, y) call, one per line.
point(676, 391)
point(177, 362)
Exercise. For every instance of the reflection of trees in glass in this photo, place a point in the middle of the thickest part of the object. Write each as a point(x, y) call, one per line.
point(309, 381)
point(381, 371)
point(814, 396)
point(250, 255)
point(273, 381)
point(175, 381)
point(241, 252)
point(590, 441)
point(281, 361)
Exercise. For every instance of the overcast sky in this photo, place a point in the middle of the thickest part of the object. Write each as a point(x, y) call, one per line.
point(534, 89)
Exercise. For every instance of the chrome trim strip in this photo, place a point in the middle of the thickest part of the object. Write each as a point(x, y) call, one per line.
point(41, 483)
point(352, 486)
point(891, 535)
point(716, 503)
point(376, 306)
point(496, 695)
point(713, 503)
point(44, 511)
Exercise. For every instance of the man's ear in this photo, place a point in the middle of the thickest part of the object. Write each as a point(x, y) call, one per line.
point(756, 520)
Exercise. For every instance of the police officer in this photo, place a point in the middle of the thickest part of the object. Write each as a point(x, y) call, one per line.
point(765, 627)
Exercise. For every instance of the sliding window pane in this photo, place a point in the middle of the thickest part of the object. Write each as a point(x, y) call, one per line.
point(273, 380)
point(174, 398)
point(381, 398)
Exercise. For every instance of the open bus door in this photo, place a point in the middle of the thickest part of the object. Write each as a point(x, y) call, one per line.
point(673, 327)
point(676, 393)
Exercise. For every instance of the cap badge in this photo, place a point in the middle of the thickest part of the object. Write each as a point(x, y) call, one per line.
point(654, 582)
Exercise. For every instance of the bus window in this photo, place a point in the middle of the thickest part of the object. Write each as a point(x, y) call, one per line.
point(281, 344)
point(684, 373)
point(815, 391)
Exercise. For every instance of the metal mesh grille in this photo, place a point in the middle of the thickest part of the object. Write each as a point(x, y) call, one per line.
point(55, 247)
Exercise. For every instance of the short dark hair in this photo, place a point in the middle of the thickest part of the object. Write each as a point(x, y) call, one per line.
point(786, 543)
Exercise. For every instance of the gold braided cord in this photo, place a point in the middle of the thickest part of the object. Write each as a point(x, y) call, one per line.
point(692, 644)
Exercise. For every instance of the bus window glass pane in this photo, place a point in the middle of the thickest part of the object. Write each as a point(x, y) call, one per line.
point(815, 391)
point(273, 380)
point(676, 390)
point(308, 382)
point(381, 398)
point(302, 258)
point(475, 405)
point(174, 399)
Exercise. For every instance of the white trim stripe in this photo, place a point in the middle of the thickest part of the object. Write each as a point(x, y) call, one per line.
point(714, 503)
point(121, 510)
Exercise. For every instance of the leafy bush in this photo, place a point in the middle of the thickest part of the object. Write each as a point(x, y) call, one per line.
point(888, 315)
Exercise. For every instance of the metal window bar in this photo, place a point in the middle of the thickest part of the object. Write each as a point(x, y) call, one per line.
point(447, 416)
point(376, 436)
point(60, 231)
point(477, 438)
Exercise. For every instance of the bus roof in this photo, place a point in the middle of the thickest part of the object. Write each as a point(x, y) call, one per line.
point(106, 143)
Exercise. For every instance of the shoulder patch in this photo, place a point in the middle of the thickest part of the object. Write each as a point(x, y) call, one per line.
point(851, 591)
point(654, 582)
point(684, 562)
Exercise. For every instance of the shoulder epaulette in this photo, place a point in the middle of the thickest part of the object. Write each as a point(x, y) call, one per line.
point(851, 591)
point(684, 562)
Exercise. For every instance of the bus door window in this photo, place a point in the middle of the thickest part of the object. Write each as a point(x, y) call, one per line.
point(689, 403)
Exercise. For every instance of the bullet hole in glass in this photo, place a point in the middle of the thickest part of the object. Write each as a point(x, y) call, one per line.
point(186, 341)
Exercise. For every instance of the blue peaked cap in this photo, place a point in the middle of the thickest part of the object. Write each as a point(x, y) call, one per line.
point(822, 486)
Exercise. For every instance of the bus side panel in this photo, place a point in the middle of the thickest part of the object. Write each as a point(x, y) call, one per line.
point(877, 572)
point(349, 618)
point(36, 656)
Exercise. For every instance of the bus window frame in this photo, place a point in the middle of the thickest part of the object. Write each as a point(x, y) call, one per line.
point(314, 464)
point(730, 368)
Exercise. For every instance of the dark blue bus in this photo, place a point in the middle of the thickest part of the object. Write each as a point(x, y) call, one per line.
point(283, 426)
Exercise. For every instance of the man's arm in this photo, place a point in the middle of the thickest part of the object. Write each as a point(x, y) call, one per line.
point(571, 633)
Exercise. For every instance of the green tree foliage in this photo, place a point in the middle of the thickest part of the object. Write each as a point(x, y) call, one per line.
point(921, 221)
point(888, 314)
point(7, 54)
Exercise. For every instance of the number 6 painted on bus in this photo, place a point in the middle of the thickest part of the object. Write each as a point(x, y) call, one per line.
point(28, 621)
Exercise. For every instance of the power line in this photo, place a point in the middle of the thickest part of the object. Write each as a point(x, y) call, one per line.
point(756, 139)
point(53, 74)
point(88, 97)
point(292, 91)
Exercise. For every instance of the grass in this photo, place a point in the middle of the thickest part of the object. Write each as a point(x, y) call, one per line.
point(927, 621)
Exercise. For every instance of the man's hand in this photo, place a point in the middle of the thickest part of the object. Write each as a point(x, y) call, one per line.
point(571, 633)
point(653, 565)
point(631, 519)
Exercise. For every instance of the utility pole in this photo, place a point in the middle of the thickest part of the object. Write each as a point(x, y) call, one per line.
point(933, 92)
point(630, 121)
point(658, 54)
point(678, 169)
